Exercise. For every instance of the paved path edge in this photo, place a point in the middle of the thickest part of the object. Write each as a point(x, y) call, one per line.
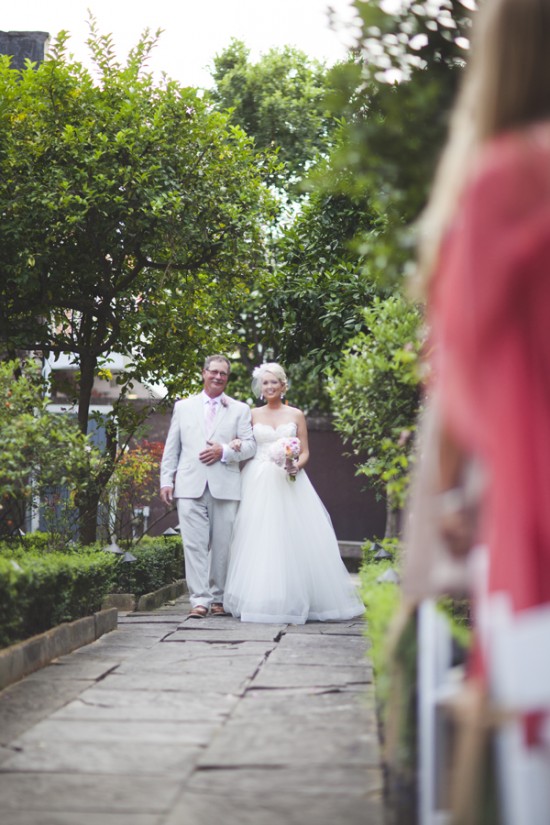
point(24, 657)
point(128, 602)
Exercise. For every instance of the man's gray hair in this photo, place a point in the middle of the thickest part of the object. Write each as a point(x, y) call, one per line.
point(208, 360)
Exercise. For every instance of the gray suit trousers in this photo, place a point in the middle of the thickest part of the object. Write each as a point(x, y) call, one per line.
point(206, 526)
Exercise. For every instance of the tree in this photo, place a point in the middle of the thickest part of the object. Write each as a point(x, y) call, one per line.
point(395, 95)
point(305, 310)
point(279, 101)
point(131, 487)
point(42, 455)
point(376, 396)
point(132, 220)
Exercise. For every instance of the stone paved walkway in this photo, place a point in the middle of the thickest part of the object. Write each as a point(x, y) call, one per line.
point(171, 721)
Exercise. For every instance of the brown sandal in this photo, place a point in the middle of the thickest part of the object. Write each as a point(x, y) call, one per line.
point(198, 612)
point(217, 609)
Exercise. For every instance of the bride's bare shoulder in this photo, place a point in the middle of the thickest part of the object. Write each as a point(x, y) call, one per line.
point(295, 414)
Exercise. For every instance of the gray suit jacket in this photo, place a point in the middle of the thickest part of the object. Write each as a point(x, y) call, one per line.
point(187, 436)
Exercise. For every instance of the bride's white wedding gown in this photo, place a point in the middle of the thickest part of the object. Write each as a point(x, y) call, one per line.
point(285, 565)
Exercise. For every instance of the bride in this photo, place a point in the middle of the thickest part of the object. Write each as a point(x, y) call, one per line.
point(285, 565)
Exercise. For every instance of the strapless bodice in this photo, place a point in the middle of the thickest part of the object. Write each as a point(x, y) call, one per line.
point(266, 436)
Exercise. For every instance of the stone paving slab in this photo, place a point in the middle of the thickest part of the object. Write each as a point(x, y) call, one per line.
point(102, 705)
point(298, 703)
point(25, 703)
point(353, 780)
point(354, 627)
point(70, 669)
point(22, 817)
point(140, 640)
point(119, 758)
point(273, 743)
point(176, 721)
point(220, 630)
point(116, 653)
point(140, 731)
point(306, 675)
point(202, 652)
point(275, 809)
point(297, 649)
point(222, 676)
point(42, 791)
point(160, 618)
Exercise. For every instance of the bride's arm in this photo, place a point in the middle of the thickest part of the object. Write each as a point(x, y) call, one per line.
point(301, 433)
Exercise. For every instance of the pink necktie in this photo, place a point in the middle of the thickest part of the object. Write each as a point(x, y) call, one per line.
point(210, 414)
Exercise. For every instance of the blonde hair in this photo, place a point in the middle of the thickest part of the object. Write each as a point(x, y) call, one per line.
point(506, 86)
point(259, 372)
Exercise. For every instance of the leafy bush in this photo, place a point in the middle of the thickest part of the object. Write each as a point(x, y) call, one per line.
point(43, 454)
point(40, 588)
point(376, 394)
point(133, 483)
point(30, 543)
point(38, 592)
point(158, 562)
point(381, 602)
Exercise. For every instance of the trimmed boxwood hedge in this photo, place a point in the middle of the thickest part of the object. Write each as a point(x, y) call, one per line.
point(39, 592)
point(40, 589)
point(158, 562)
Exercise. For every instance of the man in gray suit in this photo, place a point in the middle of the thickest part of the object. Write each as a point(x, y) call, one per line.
point(210, 433)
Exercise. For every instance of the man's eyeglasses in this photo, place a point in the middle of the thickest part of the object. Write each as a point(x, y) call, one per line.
point(220, 373)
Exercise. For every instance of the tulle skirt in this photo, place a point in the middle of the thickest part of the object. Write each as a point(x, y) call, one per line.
point(285, 564)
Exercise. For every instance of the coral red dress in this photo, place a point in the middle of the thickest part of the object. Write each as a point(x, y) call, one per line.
point(491, 318)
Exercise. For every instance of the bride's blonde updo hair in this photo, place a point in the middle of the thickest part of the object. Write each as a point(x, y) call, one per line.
point(258, 375)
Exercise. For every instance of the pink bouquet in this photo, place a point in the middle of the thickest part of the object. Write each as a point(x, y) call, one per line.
point(285, 453)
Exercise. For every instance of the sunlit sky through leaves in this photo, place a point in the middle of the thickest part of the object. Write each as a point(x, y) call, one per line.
point(194, 30)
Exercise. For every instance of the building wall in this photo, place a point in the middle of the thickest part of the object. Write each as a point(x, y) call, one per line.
point(22, 46)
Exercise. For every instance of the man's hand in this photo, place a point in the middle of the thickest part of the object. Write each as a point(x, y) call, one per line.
point(167, 495)
point(212, 453)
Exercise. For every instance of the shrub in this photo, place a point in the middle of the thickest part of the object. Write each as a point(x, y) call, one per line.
point(158, 562)
point(43, 454)
point(132, 485)
point(376, 395)
point(38, 592)
point(40, 588)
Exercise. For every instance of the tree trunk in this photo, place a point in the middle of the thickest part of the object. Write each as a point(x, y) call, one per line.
point(88, 505)
point(88, 364)
point(88, 498)
point(393, 520)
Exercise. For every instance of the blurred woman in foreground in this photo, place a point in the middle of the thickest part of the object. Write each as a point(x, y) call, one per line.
point(485, 270)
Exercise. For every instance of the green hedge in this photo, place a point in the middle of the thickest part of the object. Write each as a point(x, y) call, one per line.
point(397, 677)
point(39, 592)
point(40, 588)
point(381, 603)
point(158, 562)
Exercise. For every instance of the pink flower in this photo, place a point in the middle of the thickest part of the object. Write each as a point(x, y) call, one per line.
point(285, 452)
